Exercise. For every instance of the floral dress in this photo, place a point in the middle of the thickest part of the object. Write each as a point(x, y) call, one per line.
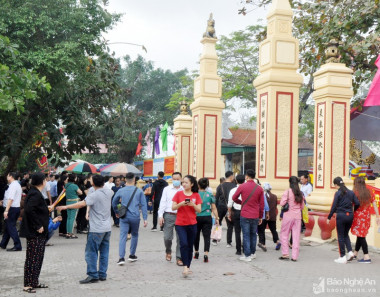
point(362, 220)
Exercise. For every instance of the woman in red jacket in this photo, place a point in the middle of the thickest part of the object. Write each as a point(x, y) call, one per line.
point(187, 202)
point(362, 218)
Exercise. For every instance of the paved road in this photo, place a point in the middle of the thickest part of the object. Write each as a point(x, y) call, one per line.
point(151, 275)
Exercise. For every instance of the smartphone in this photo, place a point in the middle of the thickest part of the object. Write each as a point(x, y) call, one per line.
point(187, 200)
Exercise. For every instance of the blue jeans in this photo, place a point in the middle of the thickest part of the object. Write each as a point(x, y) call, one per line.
point(127, 224)
point(186, 236)
point(249, 228)
point(97, 243)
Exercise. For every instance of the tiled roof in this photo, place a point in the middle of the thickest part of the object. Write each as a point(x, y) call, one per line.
point(241, 137)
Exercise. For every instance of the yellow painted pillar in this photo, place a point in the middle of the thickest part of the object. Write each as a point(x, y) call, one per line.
point(207, 113)
point(277, 100)
point(333, 91)
point(182, 131)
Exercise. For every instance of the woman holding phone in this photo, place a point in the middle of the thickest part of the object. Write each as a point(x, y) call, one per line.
point(187, 203)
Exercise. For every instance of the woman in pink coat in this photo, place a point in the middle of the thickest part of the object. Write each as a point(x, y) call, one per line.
point(292, 219)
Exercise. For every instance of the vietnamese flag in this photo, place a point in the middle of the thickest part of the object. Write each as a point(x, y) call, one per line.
point(139, 145)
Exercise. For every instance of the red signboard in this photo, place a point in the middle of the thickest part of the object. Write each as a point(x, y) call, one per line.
point(169, 166)
point(375, 192)
point(148, 168)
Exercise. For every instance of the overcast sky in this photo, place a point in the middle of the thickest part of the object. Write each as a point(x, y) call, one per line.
point(171, 30)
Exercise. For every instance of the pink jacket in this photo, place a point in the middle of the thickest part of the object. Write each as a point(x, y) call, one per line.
point(295, 208)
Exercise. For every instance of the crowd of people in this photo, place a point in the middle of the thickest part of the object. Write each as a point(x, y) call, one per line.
point(183, 209)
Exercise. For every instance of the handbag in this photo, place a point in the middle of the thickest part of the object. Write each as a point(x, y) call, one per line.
point(216, 232)
point(123, 209)
point(285, 208)
point(305, 214)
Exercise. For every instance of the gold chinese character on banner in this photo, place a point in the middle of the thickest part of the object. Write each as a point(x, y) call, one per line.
point(319, 177)
point(319, 166)
point(262, 157)
point(320, 145)
point(262, 125)
point(320, 124)
point(320, 156)
point(321, 113)
point(262, 134)
point(263, 114)
point(262, 147)
point(320, 134)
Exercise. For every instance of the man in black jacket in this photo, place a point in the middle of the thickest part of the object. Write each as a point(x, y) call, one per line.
point(221, 197)
point(157, 189)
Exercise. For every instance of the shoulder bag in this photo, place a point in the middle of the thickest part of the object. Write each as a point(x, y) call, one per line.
point(249, 197)
point(123, 209)
point(285, 208)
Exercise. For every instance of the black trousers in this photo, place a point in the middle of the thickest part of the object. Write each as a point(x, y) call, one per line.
point(343, 226)
point(272, 227)
point(204, 224)
point(222, 211)
point(237, 229)
point(81, 219)
point(62, 227)
point(35, 251)
point(361, 242)
point(156, 206)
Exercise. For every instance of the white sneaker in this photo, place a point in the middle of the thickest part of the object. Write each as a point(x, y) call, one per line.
point(245, 259)
point(253, 256)
point(229, 245)
point(214, 243)
point(341, 260)
point(350, 256)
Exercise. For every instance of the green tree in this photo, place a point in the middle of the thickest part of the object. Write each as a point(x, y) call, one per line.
point(57, 39)
point(316, 22)
point(149, 91)
point(17, 85)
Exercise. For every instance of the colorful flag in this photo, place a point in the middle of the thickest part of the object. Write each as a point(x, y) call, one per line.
point(157, 141)
point(164, 137)
point(148, 144)
point(373, 97)
point(139, 145)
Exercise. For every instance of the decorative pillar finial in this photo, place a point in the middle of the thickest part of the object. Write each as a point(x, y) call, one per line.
point(332, 51)
point(183, 107)
point(210, 30)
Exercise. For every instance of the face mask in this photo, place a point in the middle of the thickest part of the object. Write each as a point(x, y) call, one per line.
point(176, 183)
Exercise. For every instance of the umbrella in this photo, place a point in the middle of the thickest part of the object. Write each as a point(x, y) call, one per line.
point(117, 169)
point(81, 167)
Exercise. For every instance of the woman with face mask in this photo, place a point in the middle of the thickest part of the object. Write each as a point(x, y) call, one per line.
point(204, 219)
point(187, 203)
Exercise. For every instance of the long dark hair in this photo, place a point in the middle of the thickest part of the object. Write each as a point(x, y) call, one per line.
point(342, 187)
point(364, 195)
point(193, 180)
point(293, 183)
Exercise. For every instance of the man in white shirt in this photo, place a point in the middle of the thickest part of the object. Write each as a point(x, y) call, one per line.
point(167, 216)
point(234, 210)
point(109, 184)
point(306, 187)
point(46, 192)
point(11, 205)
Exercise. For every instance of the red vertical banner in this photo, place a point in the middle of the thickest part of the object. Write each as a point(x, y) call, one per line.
point(169, 166)
point(148, 168)
point(375, 193)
